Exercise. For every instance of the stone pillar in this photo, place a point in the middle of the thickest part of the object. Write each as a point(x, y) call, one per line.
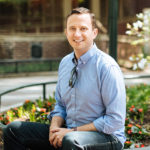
point(146, 22)
point(67, 7)
point(95, 8)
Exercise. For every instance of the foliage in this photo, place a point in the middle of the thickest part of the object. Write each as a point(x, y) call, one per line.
point(30, 111)
point(141, 29)
point(139, 61)
point(138, 100)
point(139, 96)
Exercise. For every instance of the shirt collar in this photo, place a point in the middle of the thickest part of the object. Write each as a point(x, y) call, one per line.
point(85, 57)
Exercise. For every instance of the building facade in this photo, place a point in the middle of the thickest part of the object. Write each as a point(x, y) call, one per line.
point(34, 28)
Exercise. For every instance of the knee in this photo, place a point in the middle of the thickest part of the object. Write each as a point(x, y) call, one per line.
point(68, 139)
point(71, 141)
point(11, 128)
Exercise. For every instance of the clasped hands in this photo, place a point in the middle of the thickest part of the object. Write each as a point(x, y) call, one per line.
point(56, 136)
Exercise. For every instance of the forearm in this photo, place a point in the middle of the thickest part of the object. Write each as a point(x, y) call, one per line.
point(56, 122)
point(87, 127)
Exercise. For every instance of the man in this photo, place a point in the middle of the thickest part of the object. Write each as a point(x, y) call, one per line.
point(90, 98)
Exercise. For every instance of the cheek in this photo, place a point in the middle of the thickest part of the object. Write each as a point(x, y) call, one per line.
point(69, 35)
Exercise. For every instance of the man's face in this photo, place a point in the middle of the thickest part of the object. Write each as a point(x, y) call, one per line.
point(80, 32)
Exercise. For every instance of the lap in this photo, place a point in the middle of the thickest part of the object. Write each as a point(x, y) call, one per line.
point(29, 128)
point(30, 134)
point(35, 135)
point(91, 140)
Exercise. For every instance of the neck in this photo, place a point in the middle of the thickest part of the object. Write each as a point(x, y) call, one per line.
point(79, 53)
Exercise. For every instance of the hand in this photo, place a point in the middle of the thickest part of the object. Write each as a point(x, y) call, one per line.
point(56, 136)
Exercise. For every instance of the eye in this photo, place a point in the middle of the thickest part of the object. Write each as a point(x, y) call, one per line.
point(72, 28)
point(83, 29)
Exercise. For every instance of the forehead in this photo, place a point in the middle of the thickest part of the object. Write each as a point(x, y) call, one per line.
point(79, 19)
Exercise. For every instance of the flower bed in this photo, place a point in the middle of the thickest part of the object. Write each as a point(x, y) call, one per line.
point(137, 122)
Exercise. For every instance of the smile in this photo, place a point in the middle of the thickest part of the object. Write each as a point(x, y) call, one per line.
point(77, 41)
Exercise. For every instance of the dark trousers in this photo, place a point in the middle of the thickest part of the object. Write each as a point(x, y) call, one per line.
point(35, 136)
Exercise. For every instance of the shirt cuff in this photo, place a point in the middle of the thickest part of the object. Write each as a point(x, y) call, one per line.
point(52, 114)
point(99, 124)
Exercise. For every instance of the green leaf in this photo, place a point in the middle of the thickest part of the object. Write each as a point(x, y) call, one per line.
point(134, 129)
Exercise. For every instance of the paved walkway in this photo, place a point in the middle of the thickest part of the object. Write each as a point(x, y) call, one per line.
point(15, 99)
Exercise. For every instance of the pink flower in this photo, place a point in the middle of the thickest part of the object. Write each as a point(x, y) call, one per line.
point(130, 125)
point(128, 142)
point(129, 131)
point(137, 146)
point(142, 145)
point(43, 110)
point(140, 110)
point(131, 109)
point(140, 132)
point(27, 101)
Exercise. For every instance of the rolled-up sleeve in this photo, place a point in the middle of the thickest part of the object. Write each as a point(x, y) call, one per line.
point(59, 109)
point(114, 99)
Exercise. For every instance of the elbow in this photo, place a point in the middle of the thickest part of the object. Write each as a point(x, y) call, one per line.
point(111, 128)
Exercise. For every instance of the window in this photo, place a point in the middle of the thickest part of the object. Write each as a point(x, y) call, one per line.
point(31, 16)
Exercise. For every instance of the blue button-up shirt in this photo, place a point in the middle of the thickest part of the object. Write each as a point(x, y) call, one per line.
point(98, 95)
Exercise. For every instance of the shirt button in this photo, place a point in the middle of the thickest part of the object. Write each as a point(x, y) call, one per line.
point(72, 95)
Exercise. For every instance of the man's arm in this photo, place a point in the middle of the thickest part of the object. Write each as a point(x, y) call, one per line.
point(57, 133)
point(56, 123)
point(87, 127)
point(114, 99)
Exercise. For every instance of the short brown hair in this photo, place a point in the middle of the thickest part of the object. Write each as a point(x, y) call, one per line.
point(82, 10)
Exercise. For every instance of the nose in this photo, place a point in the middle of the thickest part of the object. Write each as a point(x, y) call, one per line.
point(77, 33)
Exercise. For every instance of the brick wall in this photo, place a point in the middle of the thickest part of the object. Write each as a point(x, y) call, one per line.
point(54, 49)
point(54, 46)
point(21, 50)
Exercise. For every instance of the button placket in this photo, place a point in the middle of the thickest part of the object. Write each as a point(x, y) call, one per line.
point(73, 105)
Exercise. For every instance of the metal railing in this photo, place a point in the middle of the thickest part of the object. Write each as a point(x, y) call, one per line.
point(25, 86)
point(54, 82)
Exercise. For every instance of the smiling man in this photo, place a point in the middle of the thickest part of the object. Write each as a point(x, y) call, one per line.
point(90, 98)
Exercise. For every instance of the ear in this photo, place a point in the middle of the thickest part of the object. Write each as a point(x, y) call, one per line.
point(95, 32)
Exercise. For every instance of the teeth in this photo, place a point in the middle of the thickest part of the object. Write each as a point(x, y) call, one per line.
point(77, 40)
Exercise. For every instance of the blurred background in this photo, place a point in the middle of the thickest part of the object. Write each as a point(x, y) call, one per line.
point(32, 31)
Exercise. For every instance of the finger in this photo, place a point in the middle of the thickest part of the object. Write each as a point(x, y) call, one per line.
point(52, 137)
point(60, 142)
point(55, 142)
point(55, 130)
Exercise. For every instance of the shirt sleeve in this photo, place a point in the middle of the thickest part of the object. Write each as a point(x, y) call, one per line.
point(59, 109)
point(114, 99)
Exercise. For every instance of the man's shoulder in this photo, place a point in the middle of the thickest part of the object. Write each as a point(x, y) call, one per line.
point(105, 61)
point(67, 59)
